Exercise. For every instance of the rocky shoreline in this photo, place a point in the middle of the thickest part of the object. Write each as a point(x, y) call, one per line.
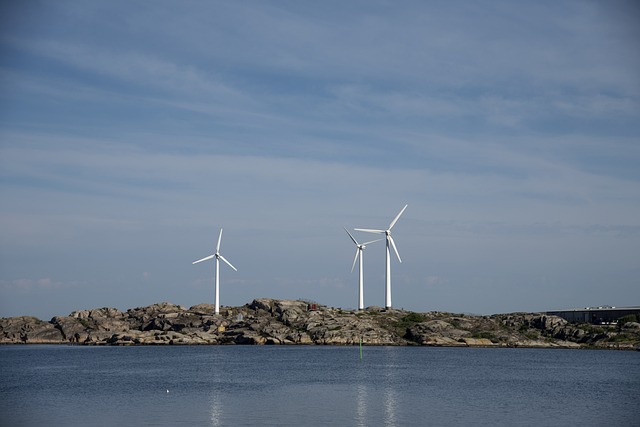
point(287, 322)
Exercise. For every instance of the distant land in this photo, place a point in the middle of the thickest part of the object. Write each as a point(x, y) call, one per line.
point(267, 321)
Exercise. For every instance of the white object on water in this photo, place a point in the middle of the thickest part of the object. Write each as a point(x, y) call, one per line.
point(218, 257)
point(387, 232)
point(360, 253)
point(167, 390)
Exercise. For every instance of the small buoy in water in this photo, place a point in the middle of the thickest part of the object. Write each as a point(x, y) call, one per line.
point(167, 390)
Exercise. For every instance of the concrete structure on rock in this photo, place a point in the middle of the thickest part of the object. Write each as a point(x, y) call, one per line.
point(596, 315)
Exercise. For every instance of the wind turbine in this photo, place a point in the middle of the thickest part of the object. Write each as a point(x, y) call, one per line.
point(218, 257)
point(360, 253)
point(387, 232)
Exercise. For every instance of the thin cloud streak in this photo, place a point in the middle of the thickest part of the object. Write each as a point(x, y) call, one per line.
point(129, 134)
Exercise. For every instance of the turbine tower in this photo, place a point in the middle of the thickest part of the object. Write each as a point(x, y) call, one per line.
point(218, 257)
point(387, 233)
point(360, 253)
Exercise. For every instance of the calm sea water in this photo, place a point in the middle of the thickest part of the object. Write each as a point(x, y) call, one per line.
point(316, 385)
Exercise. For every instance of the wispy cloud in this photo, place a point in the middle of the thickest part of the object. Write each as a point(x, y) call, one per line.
point(511, 131)
point(141, 69)
point(34, 285)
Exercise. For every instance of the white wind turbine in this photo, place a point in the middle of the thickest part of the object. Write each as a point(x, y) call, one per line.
point(387, 232)
point(218, 257)
point(360, 253)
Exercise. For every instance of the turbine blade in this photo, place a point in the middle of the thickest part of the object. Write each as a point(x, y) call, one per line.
point(397, 217)
point(394, 247)
point(373, 241)
point(355, 259)
point(368, 230)
point(219, 240)
point(203, 259)
point(228, 263)
point(352, 238)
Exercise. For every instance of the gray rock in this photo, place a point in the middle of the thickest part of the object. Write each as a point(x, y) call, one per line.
point(47, 334)
point(282, 322)
point(479, 342)
point(74, 329)
point(262, 304)
point(631, 325)
point(28, 330)
point(157, 324)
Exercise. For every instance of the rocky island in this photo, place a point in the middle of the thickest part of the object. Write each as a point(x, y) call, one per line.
point(288, 322)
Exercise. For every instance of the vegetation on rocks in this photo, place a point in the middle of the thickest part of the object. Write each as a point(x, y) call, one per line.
point(269, 321)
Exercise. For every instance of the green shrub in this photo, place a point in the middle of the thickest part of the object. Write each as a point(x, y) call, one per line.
point(485, 335)
point(413, 318)
point(628, 318)
point(621, 338)
point(409, 320)
point(84, 323)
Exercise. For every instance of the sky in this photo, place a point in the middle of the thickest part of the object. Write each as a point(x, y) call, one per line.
point(131, 132)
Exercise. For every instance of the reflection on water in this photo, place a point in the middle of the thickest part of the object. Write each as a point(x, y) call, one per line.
point(362, 394)
point(216, 393)
point(361, 405)
point(315, 386)
point(390, 392)
point(216, 410)
point(390, 403)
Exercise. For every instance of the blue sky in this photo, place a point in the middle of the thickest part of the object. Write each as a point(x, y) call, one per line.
point(130, 132)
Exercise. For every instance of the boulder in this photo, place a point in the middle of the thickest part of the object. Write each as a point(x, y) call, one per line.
point(437, 326)
point(262, 304)
point(290, 311)
point(545, 322)
point(157, 324)
point(203, 309)
point(140, 317)
point(96, 313)
point(439, 341)
point(631, 325)
point(98, 337)
point(46, 334)
point(29, 330)
point(435, 332)
point(479, 342)
point(281, 322)
point(185, 321)
point(532, 344)
point(567, 344)
point(206, 337)
point(74, 329)
point(80, 324)
point(110, 324)
point(299, 338)
point(247, 337)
